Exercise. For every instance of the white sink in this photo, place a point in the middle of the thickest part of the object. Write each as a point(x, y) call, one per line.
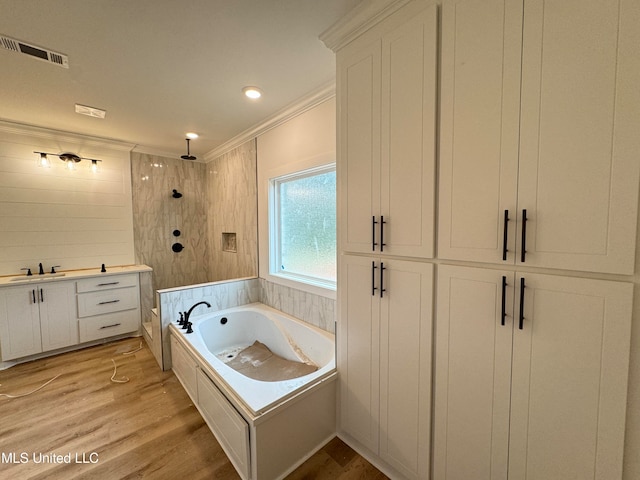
point(33, 278)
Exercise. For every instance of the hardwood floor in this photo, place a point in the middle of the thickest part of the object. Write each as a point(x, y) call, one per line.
point(83, 426)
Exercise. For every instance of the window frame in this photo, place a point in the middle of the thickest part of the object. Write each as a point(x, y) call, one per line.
point(274, 223)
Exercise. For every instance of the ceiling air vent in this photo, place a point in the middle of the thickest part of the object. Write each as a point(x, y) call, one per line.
point(37, 52)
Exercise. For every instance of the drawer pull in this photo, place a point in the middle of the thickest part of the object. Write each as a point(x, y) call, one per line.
point(108, 301)
point(110, 326)
point(108, 283)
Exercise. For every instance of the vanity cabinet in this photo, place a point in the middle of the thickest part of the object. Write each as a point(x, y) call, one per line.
point(37, 318)
point(539, 398)
point(384, 359)
point(387, 112)
point(538, 133)
point(108, 306)
point(46, 314)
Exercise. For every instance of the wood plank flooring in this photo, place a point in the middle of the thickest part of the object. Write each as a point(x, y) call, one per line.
point(83, 426)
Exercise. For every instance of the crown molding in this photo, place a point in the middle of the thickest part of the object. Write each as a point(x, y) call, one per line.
point(62, 136)
point(307, 102)
point(360, 19)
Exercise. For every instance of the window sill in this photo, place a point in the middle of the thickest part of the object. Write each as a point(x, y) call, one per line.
point(310, 287)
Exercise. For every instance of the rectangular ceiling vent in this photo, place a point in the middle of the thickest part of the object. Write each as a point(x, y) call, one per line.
point(40, 53)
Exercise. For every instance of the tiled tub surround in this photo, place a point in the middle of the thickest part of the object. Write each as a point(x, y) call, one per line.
point(313, 309)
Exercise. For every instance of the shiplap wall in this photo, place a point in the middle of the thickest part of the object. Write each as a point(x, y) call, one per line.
point(77, 219)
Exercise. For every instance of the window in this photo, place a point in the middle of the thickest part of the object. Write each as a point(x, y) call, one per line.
point(303, 226)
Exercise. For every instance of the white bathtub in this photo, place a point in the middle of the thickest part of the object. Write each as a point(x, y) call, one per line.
point(285, 336)
point(266, 428)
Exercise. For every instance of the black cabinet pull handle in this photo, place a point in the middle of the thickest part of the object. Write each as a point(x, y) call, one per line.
point(110, 326)
point(504, 236)
point(503, 310)
point(382, 244)
point(373, 278)
point(373, 233)
point(523, 249)
point(521, 323)
point(109, 301)
point(41, 296)
point(382, 289)
point(105, 284)
point(33, 293)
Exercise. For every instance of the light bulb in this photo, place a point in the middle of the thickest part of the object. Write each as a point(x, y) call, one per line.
point(44, 161)
point(71, 165)
point(94, 166)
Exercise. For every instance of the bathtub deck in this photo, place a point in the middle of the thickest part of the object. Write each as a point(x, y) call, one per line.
point(146, 427)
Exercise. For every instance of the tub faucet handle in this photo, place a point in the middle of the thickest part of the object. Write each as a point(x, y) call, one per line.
point(189, 329)
point(181, 320)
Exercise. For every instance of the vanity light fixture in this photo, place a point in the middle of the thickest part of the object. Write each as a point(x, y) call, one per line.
point(252, 92)
point(70, 159)
point(44, 161)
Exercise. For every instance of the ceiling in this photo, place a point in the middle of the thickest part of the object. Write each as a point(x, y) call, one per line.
point(161, 68)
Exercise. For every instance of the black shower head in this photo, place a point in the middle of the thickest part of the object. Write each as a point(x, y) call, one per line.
point(188, 156)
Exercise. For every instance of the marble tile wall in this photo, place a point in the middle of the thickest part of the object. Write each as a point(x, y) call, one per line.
point(233, 208)
point(314, 309)
point(156, 214)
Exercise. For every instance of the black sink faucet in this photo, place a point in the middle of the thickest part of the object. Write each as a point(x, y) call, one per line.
point(187, 314)
point(41, 272)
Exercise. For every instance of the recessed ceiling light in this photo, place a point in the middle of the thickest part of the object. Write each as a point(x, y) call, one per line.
point(192, 135)
point(252, 92)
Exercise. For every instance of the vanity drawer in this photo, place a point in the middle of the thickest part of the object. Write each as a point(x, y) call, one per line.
point(108, 301)
point(103, 326)
point(94, 284)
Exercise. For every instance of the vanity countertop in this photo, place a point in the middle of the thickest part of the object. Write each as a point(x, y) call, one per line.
point(62, 275)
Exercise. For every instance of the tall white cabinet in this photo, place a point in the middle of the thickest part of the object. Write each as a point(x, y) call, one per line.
point(384, 359)
point(387, 100)
point(537, 111)
point(531, 377)
point(538, 142)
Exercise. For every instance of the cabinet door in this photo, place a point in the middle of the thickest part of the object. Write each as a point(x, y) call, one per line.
point(480, 105)
point(409, 69)
point(58, 319)
point(579, 165)
point(358, 350)
point(473, 373)
point(358, 143)
point(405, 366)
point(19, 322)
point(569, 387)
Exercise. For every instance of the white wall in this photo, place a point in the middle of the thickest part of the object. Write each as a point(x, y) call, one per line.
point(76, 219)
point(305, 141)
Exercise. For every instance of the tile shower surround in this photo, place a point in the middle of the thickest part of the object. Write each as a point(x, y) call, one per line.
point(313, 309)
point(217, 197)
point(156, 214)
